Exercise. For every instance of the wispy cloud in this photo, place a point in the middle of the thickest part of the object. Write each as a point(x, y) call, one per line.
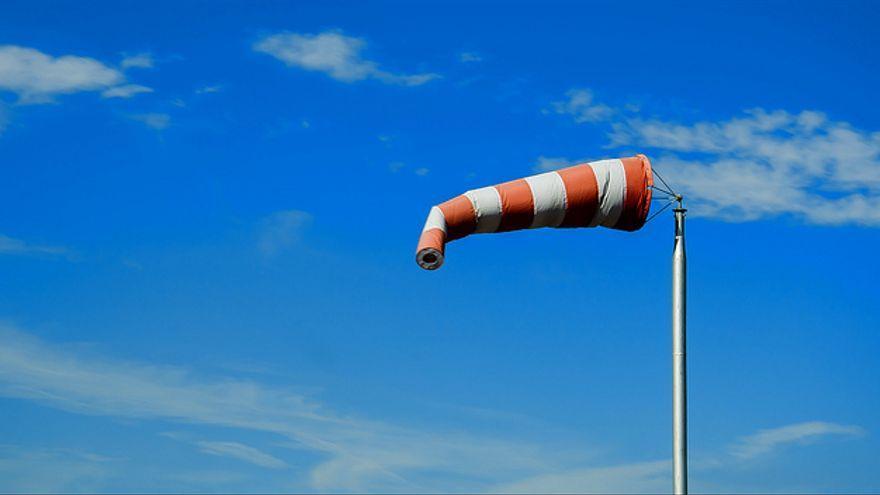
point(397, 166)
point(139, 61)
point(643, 477)
point(241, 452)
point(157, 121)
point(356, 454)
point(12, 246)
point(758, 165)
point(335, 54)
point(581, 105)
point(548, 163)
point(470, 57)
point(361, 455)
point(24, 469)
point(216, 88)
point(125, 91)
point(282, 230)
point(37, 77)
point(766, 441)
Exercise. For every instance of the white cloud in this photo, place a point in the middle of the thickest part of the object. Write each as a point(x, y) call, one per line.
point(334, 54)
point(36, 77)
point(241, 452)
point(10, 245)
point(157, 121)
point(758, 165)
point(421, 171)
point(125, 91)
point(282, 230)
point(139, 61)
point(549, 163)
point(768, 163)
point(580, 104)
point(467, 57)
point(766, 441)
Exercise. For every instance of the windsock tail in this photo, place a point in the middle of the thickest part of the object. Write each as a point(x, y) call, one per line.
point(432, 244)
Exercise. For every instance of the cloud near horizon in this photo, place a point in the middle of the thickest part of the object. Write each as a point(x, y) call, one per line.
point(758, 165)
point(361, 455)
point(335, 54)
point(357, 454)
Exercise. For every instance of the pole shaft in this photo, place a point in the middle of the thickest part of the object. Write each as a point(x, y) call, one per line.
point(679, 358)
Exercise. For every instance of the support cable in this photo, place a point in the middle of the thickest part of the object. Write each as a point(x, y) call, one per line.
point(664, 182)
point(661, 210)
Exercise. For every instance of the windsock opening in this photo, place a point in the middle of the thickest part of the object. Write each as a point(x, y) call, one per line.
point(430, 259)
point(608, 193)
point(432, 243)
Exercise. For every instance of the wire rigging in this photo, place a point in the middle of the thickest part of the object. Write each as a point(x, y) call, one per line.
point(661, 210)
point(664, 182)
point(671, 196)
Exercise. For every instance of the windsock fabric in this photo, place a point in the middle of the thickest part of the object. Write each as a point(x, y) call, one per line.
point(611, 193)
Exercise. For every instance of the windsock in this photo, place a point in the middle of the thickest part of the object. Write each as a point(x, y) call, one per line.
point(611, 193)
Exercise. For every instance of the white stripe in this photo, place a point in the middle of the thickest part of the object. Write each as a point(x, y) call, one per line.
point(436, 220)
point(611, 179)
point(548, 195)
point(487, 206)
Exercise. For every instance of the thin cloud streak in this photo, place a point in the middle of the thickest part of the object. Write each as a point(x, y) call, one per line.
point(139, 61)
point(12, 246)
point(24, 469)
point(241, 452)
point(361, 455)
point(125, 91)
point(766, 441)
point(155, 121)
point(641, 477)
point(357, 454)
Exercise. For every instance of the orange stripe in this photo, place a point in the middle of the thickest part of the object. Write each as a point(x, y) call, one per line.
point(517, 205)
point(432, 238)
point(461, 220)
point(581, 194)
point(638, 197)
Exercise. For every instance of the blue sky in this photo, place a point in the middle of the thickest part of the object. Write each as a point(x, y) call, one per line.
point(210, 212)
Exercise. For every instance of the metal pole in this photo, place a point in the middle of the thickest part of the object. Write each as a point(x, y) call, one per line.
point(679, 359)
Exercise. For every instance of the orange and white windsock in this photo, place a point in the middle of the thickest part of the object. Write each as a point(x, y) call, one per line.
point(609, 193)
